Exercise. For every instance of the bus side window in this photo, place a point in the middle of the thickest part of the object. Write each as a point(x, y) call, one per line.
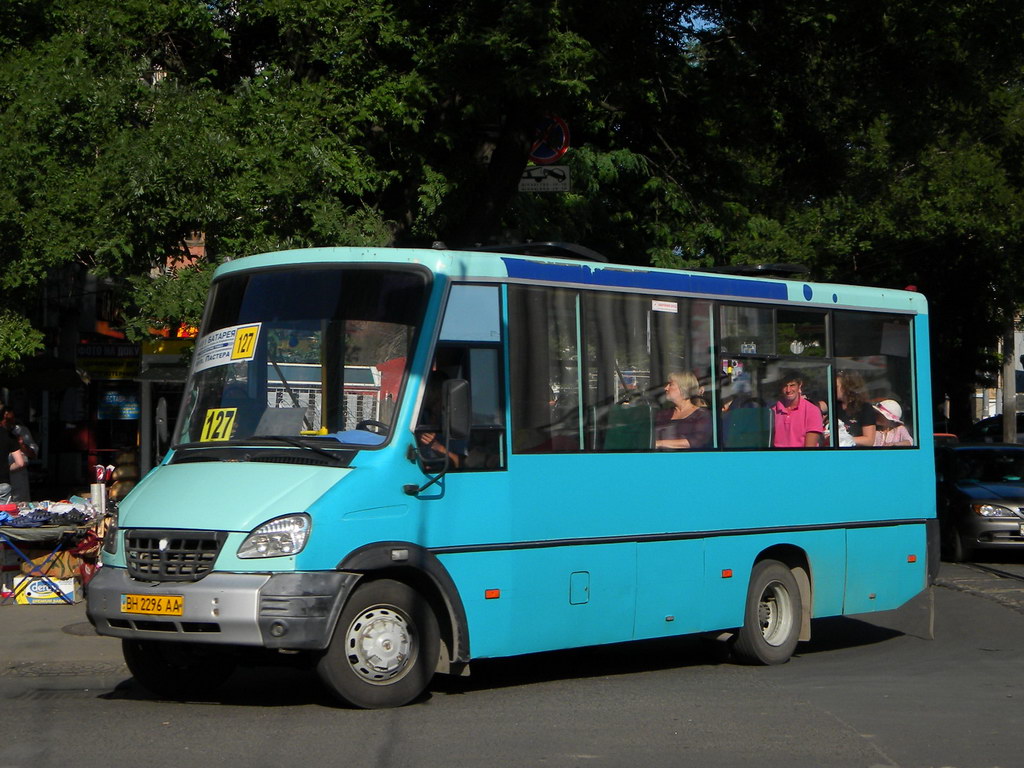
point(484, 449)
point(544, 360)
point(470, 350)
point(487, 435)
point(878, 350)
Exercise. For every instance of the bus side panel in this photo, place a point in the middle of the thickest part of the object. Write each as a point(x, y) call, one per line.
point(670, 582)
point(548, 598)
point(730, 560)
point(886, 567)
point(826, 556)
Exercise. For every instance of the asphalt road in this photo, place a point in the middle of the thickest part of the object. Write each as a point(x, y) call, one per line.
point(868, 691)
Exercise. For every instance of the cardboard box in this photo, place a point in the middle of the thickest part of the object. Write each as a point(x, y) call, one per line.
point(62, 565)
point(36, 591)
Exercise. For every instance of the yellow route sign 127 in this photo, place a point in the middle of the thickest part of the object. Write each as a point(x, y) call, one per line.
point(218, 424)
point(245, 342)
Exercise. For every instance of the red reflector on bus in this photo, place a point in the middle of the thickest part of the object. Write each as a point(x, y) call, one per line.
point(727, 573)
point(911, 558)
point(492, 594)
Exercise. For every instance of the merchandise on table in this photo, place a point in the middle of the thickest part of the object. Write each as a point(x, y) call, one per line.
point(75, 511)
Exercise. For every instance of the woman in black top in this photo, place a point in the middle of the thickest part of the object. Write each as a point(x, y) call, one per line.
point(855, 412)
point(688, 423)
point(9, 449)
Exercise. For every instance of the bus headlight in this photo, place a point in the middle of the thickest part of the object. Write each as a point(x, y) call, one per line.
point(277, 538)
point(992, 510)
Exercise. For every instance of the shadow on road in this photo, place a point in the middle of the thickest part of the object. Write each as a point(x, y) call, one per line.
point(1003, 556)
point(842, 632)
point(248, 687)
point(286, 686)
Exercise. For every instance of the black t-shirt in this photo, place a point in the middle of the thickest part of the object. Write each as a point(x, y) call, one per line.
point(855, 423)
point(8, 445)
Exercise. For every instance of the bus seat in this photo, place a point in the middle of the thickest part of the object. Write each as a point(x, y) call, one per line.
point(747, 428)
point(630, 428)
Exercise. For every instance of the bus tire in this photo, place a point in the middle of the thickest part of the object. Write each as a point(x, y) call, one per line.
point(385, 647)
point(176, 670)
point(772, 616)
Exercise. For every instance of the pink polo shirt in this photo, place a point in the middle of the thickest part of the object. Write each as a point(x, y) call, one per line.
point(792, 425)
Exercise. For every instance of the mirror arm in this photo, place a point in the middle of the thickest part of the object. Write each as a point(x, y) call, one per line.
point(415, 453)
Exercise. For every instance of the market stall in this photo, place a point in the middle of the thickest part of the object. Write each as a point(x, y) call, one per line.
point(49, 550)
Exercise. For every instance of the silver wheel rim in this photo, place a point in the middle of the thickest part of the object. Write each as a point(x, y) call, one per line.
point(379, 645)
point(775, 613)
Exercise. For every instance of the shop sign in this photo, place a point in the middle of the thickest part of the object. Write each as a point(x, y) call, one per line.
point(108, 361)
point(109, 368)
point(118, 405)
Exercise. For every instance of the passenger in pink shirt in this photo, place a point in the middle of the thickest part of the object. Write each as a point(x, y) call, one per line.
point(797, 421)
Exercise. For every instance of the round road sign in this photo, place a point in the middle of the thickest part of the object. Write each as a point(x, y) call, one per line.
point(551, 141)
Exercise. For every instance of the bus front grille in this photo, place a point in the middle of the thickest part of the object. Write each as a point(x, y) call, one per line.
point(172, 555)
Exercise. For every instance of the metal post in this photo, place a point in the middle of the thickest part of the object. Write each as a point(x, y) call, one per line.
point(1009, 380)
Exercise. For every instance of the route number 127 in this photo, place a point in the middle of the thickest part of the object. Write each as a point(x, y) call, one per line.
point(218, 425)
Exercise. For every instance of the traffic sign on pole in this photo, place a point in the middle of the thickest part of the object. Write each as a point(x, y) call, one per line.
point(551, 141)
point(545, 178)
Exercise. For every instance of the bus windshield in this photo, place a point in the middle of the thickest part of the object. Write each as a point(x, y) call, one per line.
point(311, 354)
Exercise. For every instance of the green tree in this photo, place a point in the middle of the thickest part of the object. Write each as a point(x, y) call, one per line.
point(282, 124)
point(877, 145)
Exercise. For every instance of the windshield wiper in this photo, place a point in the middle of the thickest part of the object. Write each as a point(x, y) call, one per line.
point(294, 441)
point(227, 449)
point(288, 388)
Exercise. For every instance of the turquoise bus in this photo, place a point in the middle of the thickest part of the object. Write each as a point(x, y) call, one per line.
point(391, 462)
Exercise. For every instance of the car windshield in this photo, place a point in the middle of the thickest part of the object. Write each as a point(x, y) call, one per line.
point(989, 466)
point(315, 356)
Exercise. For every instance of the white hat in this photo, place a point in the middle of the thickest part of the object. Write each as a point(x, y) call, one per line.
point(890, 409)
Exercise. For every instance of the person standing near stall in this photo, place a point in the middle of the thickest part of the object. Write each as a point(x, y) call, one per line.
point(15, 461)
point(24, 441)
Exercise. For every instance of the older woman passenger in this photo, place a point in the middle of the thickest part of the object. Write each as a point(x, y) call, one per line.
point(688, 423)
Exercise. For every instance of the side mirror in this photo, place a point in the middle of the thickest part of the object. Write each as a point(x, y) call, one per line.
point(161, 423)
point(456, 407)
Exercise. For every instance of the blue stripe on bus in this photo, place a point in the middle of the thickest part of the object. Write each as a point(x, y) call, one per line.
point(582, 274)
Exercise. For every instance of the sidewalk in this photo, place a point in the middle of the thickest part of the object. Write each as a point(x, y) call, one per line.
point(58, 635)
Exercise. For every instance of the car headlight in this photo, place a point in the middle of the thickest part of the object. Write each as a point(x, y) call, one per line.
point(280, 537)
point(992, 510)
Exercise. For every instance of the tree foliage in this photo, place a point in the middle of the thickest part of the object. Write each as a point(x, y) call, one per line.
point(877, 145)
point(880, 146)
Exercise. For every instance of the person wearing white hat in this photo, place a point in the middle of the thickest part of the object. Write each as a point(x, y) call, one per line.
point(890, 430)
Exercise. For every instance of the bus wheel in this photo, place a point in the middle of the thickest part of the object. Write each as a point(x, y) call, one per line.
point(771, 619)
point(385, 647)
point(176, 670)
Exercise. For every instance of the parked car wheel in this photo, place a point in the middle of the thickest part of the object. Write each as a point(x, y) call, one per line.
point(961, 551)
